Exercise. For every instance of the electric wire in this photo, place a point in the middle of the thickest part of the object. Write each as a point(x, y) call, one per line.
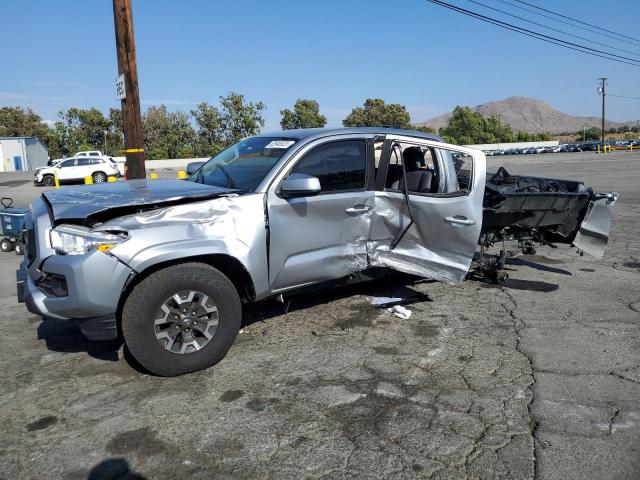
point(578, 21)
point(553, 29)
point(537, 35)
point(622, 96)
point(634, 43)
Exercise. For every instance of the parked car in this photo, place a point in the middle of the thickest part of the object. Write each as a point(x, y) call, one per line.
point(168, 264)
point(77, 168)
point(88, 153)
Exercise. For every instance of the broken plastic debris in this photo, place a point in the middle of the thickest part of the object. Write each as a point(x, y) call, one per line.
point(385, 300)
point(400, 311)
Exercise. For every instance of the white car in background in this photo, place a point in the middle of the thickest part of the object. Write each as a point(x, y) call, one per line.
point(99, 168)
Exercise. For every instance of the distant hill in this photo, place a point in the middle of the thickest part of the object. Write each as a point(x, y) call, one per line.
point(530, 115)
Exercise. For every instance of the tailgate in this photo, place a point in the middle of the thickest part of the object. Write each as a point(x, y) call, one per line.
point(593, 235)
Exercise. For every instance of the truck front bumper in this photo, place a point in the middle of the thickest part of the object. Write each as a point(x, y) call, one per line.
point(93, 284)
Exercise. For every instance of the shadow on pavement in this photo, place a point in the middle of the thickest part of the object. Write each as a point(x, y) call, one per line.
point(65, 336)
point(537, 266)
point(112, 469)
point(391, 285)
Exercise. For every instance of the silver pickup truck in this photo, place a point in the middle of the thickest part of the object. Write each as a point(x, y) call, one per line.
point(167, 264)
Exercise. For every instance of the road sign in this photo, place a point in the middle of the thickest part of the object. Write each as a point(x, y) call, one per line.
point(121, 94)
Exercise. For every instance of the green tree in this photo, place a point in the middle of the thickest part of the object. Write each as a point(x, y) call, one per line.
point(167, 134)
point(18, 122)
point(422, 128)
point(115, 135)
point(468, 127)
point(209, 129)
point(239, 119)
point(84, 127)
point(376, 113)
point(593, 133)
point(305, 114)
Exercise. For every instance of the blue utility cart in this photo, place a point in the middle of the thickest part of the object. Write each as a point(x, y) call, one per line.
point(11, 222)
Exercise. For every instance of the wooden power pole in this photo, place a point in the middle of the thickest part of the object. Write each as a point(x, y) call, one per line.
point(603, 81)
point(130, 99)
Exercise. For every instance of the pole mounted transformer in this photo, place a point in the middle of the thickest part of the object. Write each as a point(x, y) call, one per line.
point(127, 89)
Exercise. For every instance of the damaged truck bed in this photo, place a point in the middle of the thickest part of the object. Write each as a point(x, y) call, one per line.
point(541, 210)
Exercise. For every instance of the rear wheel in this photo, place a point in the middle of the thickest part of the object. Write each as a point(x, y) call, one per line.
point(99, 177)
point(181, 319)
point(48, 180)
point(6, 245)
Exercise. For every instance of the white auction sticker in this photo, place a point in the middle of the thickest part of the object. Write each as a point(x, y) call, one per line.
point(280, 144)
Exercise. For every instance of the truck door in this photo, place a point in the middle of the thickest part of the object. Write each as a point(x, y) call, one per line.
point(322, 237)
point(433, 230)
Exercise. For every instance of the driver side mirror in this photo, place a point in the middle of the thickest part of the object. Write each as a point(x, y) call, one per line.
point(300, 185)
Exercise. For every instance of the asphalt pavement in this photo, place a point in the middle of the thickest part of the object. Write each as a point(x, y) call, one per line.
point(536, 378)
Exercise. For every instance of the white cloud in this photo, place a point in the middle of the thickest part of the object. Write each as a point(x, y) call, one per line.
point(75, 84)
point(48, 122)
point(12, 96)
point(43, 83)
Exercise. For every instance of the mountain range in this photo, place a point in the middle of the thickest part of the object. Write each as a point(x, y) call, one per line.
point(531, 115)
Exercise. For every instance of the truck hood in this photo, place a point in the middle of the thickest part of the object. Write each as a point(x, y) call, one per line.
point(91, 204)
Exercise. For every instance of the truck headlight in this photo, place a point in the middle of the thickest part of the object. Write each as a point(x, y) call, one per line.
point(76, 240)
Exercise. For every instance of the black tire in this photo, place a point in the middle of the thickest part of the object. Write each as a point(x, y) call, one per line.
point(48, 181)
point(6, 245)
point(19, 248)
point(148, 296)
point(99, 177)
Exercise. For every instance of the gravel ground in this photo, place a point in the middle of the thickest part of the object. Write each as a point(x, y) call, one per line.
point(538, 378)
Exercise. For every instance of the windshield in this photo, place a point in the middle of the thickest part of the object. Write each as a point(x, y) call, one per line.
point(243, 165)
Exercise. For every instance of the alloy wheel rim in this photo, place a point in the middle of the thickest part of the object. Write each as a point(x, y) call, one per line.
point(186, 322)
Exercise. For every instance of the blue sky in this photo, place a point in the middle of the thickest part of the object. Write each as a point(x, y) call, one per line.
point(339, 52)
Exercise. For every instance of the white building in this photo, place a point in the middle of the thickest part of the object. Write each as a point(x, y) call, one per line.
point(20, 154)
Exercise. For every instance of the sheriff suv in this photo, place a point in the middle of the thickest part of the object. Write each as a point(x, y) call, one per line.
point(168, 264)
point(99, 168)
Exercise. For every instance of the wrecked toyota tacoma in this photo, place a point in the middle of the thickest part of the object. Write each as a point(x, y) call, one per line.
point(167, 264)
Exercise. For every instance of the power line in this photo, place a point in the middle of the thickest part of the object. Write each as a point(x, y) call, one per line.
point(578, 21)
point(634, 43)
point(553, 29)
point(537, 35)
point(622, 96)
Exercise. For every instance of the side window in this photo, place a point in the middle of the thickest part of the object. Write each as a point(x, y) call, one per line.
point(94, 154)
point(83, 162)
point(97, 161)
point(429, 170)
point(463, 168)
point(68, 163)
point(340, 166)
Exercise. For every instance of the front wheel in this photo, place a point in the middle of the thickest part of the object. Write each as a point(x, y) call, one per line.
point(181, 319)
point(6, 245)
point(48, 181)
point(19, 248)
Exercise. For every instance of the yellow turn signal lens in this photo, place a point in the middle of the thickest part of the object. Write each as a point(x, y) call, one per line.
point(104, 247)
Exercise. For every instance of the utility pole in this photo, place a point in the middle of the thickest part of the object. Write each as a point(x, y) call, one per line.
point(584, 132)
point(603, 81)
point(499, 121)
point(131, 118)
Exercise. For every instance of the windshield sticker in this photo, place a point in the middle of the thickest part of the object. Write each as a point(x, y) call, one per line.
point(280, 144)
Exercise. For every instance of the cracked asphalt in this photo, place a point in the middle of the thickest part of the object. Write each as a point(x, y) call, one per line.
point(537, 378)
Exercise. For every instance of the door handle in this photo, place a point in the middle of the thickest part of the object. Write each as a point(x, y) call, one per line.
point(358, 209)
point(459, 220)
